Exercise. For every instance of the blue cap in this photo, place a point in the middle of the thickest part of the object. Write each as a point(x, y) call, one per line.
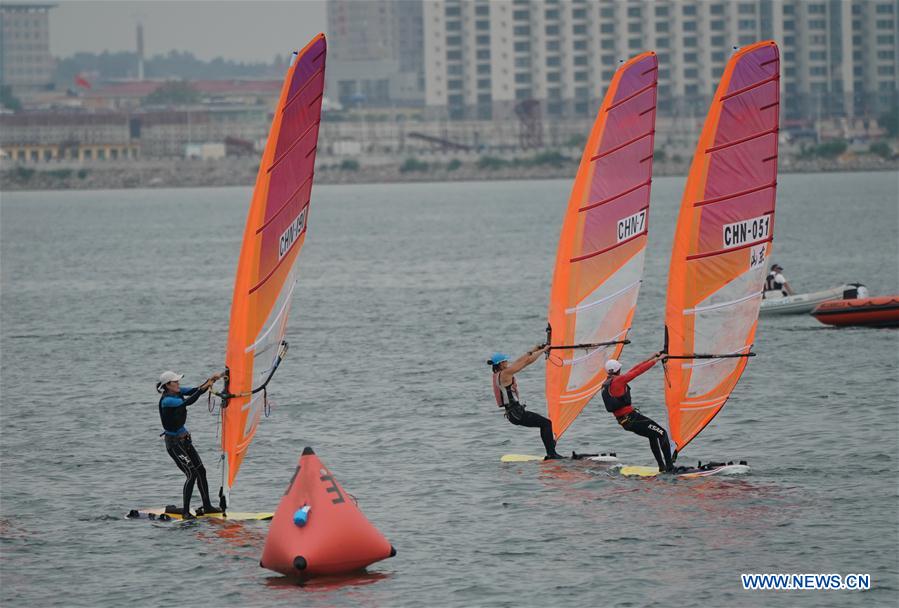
point(497, 358)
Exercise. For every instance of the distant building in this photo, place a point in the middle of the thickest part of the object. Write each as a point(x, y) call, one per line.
point(132, 94)
point(874, 65)
point(25, 61)
point(207, 151)
point(37, 137)
point(43, 137)
point(375, 52)
point(483, 57)
point(167, 134)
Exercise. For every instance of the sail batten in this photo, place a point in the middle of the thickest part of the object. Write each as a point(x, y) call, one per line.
point(294, 145)
point(726, 197)
point(743, 140)
point(287, 203)
point(723, 242)
point(611, 296)
point(622, 145)
point(615, 197)
point(599, 261)
point(295, 96)
point(273, 237)
point(651, 85)
point(610, 247)
point(706, 254)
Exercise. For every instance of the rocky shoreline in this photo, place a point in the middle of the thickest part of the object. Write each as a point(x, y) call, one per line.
point(242, 172)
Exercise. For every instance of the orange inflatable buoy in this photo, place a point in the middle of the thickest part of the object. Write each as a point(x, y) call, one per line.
point(318, 529)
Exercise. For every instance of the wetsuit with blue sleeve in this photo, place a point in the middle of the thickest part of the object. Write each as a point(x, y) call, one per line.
point(173, 412)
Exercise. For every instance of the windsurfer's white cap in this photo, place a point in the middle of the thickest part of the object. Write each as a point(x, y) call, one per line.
point(613, 366)
point(166, 377)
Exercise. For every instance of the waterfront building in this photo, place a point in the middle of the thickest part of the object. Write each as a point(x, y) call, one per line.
point(131, 95)
point(482, 58)
point(375, 52)
point(41, 137)
point(44, 137)
point(26, 65)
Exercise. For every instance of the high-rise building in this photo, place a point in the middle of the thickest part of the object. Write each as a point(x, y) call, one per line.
point(484, 57)
point(874, 62)
point(25, 61)
point(375, 53)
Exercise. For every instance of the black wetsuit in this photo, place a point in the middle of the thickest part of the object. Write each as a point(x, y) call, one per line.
point(522, 417)
point(507, 397)
point(173, 413)
point(635, 422)
point(632, 420)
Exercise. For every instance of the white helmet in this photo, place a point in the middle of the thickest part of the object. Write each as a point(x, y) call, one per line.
point(166, 377)
point(613, 366)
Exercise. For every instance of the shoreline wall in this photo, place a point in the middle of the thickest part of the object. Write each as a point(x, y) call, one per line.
point(242, 172)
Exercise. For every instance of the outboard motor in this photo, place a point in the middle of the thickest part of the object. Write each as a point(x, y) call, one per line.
point(856, 292)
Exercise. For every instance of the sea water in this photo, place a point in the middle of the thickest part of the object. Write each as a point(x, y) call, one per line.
point(404, 291)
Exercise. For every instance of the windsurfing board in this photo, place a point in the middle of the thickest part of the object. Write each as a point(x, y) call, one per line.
point(602, 458)
point(519, 458)
point(159, 514)
point(686, 472)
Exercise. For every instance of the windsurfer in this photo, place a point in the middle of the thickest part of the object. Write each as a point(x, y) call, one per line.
point(775, 281)
point(173, 412)
point(505, 390)
point(616, 394)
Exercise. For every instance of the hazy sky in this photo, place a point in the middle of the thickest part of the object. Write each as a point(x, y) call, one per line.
point(241, 30)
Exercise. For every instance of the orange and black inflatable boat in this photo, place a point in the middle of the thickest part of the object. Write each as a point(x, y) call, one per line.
point(882, 311)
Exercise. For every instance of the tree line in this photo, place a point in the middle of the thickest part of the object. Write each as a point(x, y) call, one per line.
point(175, 64)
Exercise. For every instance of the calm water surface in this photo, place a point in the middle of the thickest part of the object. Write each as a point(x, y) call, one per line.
point(404, 291)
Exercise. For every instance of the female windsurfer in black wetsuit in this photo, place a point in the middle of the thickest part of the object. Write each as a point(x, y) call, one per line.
point(173, 413)
point(505, 390)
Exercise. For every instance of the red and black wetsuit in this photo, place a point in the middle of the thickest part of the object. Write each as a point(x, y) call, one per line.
point(616, 394)
point(507, 397)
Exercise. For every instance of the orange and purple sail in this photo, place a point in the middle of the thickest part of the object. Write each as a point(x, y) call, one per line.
point(599, 262)
point(266, 270)
point(722, 242)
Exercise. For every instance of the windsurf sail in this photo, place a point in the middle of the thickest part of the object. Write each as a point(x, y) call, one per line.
point(599, 262)
point(266, 270)
point(722, 242)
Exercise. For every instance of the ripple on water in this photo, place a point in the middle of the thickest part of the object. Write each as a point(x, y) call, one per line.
point(403, 291)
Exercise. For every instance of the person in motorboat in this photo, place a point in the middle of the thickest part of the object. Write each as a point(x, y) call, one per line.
point(616, 395)
point(505, 390)
point(775, 281)
point(173, 405)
